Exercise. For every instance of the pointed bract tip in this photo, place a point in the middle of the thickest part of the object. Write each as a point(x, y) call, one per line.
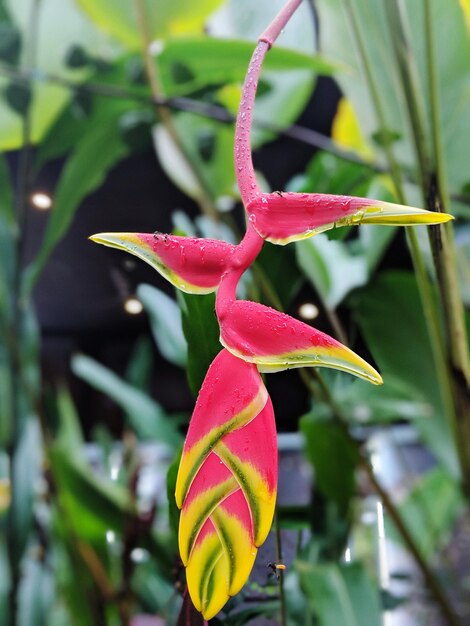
point(398, 215)
point(111, 239)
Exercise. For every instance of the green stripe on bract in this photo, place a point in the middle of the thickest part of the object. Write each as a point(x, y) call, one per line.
point(215, 495)
point(226, 541)
point(201, 449)
point(251, 487)
point(211, 562)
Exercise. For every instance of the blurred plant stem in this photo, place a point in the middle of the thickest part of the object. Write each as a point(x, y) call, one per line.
point(432, 176)
point(280, 572)
point(153, 75)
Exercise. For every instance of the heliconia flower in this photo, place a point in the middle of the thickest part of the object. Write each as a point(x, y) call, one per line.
point(227, 481)
point(276, 341)
point(283, 217)
point(193, 265)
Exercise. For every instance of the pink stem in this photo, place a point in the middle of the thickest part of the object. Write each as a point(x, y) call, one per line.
point(247, 251)
point(275, 28)
point(243, 162)
point(244, 170)
point(252, 243)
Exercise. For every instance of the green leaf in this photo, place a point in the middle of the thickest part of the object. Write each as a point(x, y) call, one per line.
point(391, 319)
point(7, 240)
point(99, 149)
point(334, 458)
point(165, 321)
point(362, 403)
point(201, 330)
point(18, 97)
point(294, 517)
point(6, 192)
point(268, 608)
point(340, 594)
point(36, 594)
point(76, 57)
point(145, 416)
point(215, 174)
point(69, 433)
point(207, 61)
point(118, 18)
point(279, 267)
point(6, 397)
point(327, 173)
point(73, 578)
point(10, 42)
point(26, 470)
point(62, 18)
point(4, 578)
point(462, 249)
point(139, 368)
point(453, 74)
point(61, 136)
point(155, 591)
point(331, 268)
point(90, 111)
point(431, 525)
point(92, 504)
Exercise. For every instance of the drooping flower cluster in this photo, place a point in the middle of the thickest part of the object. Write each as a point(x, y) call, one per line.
point(227, 479)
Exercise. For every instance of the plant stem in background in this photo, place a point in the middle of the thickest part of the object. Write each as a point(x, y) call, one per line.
point(280, 573)
point(434, 190)
point(151, 68)
point(442, 241)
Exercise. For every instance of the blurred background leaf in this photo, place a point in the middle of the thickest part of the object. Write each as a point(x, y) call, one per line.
point(145, 416)
point(340, 594)
point(389, 315)
point(165, 321)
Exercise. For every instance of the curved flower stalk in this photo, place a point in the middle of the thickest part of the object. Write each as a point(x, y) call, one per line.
point(226, 485)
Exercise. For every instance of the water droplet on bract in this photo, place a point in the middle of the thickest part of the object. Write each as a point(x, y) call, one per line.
point(264, 200)
point(240, 168)
point(253, 185)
